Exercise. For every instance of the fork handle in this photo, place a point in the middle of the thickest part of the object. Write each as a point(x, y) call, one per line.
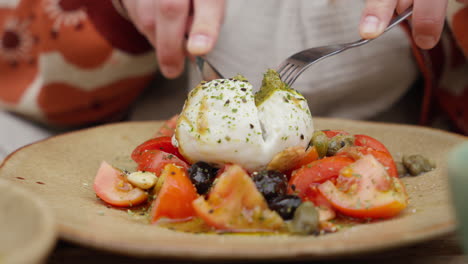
point(396, 20)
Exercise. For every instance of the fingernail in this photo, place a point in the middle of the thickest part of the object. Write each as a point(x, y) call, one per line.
point(170, 71)
point(425, 41)
point(370, 26)
point(199, 44)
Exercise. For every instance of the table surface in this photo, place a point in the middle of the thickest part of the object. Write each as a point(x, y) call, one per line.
point(442, 250)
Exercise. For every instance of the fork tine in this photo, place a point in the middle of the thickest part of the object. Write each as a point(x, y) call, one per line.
point(282, 66)
point(291, 74)
point(296, 75)
point(287, 70)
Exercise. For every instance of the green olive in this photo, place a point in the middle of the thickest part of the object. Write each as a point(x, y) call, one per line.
point(417, 164)
point(402, 171)
point(305, 220)
point(338, 142)
point(320, 142)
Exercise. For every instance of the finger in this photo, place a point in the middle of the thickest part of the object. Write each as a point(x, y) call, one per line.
point(146, 10)
point(207, 19)
point(171, 18)
point(403, 5)
point(428, 22)
point(375, 18)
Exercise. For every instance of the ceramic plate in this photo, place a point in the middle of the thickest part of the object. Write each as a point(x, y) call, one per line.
point(27, 229)
point(61, 171)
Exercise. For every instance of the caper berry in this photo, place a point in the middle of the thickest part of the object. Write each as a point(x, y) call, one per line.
point(417, 164)
point(305, 220)
point(320, 142)
point(338, 142)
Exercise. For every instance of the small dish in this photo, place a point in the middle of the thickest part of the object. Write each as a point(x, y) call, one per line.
point(27, 227)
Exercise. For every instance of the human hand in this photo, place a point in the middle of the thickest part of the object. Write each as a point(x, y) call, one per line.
point(165, 23)
point(427, 19)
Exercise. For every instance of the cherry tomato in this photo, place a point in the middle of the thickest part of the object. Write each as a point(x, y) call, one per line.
point(365, 190)
point(113, 188)
point(168, 128)
point(367, 141)
point(174, 200)
point(234, 204)
point(155, 160)
point(383, 157)
point(160, 143)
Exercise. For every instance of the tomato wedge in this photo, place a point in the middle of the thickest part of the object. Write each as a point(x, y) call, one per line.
point(168, 128)
point(316, 172)
point(155, 160)
point(113, 188)
point(234, 204)
point(365, 190)
point(160, 143)
point(367, 141)
point(383, 157)
point(174, 200)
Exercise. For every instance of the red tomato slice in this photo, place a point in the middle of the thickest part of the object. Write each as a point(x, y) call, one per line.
point(113, 188)
point(174, 201)
point(316, 172)
point(234, 204)
point(155, 160)
point(384, 158)
point(358, 191)
point(168, 128)
point(332, 133)
point(160, 143)
point(367, 141)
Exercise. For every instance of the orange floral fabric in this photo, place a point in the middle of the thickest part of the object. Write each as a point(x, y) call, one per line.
point(62, 62)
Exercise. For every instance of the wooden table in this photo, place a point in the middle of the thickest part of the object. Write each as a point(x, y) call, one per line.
point(443, 250)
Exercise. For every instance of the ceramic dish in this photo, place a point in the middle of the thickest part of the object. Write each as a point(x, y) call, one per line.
point(65, 167)
point(26, 226)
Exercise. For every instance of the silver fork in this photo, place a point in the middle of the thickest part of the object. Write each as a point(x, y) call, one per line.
point(293, 66)
point(207, 71)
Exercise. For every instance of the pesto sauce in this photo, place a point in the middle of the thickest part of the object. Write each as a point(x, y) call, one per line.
point(271, 83)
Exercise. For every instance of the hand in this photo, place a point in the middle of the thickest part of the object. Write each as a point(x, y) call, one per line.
point(165, 23)
point(427, 19)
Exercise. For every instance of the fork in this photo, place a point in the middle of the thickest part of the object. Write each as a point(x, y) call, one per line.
point(207, 71)
point(293, 66)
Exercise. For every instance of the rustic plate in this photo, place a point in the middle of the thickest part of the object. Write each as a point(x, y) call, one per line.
point(27, 229)
point(61, 171)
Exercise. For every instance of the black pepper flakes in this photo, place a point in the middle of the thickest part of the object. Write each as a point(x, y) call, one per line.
point(243, 89)
point(251, 126)
point(302, 137)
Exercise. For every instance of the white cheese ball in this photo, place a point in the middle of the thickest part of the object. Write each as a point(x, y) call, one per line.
point(220, 123)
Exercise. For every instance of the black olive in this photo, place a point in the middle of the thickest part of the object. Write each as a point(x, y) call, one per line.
point(285, 205)
point(271, 183)
point(202, 176)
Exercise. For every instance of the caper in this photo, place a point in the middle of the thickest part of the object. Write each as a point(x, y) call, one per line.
point(305, 220)
point(402, 171)
point(417, 164)
point(338, 142)
point(320, 142)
